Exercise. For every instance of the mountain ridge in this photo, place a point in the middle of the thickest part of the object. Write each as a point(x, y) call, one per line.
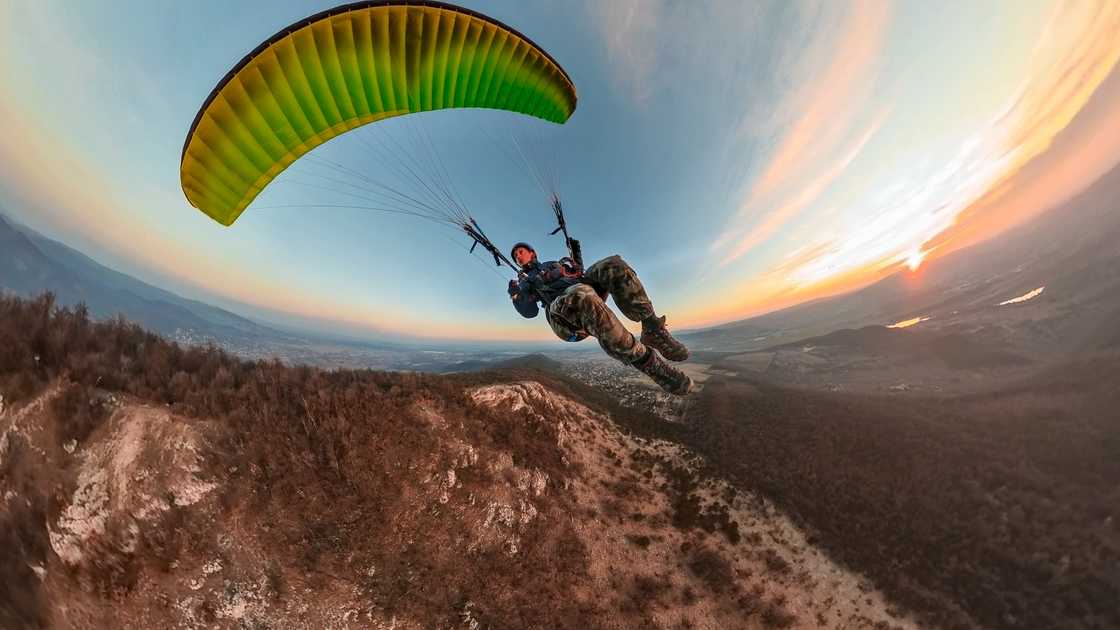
point(33, 263)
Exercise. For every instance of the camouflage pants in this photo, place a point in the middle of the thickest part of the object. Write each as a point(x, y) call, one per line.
point(582, 311)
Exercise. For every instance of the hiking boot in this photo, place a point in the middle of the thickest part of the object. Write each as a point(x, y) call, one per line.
point(655, 335)
point(669, 377)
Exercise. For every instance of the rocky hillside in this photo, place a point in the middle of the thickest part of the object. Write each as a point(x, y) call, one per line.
point(146, 485)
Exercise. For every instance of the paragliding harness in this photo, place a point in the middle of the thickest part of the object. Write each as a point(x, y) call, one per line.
point(574, 260)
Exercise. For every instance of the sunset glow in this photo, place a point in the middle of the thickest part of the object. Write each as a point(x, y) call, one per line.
point(914, 260)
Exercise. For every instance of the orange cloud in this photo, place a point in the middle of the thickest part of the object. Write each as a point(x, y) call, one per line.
point(1066, 134)
point(805, 196)
point(826, 110)
point(1059, 132)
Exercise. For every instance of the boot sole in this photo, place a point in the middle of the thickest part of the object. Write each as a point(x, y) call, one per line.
point(676, 358)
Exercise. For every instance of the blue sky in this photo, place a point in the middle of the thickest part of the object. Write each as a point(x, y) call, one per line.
point(742, 156)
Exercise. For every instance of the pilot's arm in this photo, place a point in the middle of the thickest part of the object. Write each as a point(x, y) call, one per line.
point(524, 298)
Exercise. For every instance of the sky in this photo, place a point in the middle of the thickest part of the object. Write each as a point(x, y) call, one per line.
point(743, 157)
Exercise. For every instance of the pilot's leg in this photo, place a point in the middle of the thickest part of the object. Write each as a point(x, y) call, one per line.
point(580, 307)
point(616, 277)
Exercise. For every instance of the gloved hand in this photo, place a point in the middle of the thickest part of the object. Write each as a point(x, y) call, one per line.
point(569, 267)
point(514, 288)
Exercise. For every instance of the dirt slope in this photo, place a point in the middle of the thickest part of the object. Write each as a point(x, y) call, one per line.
point(507, 505)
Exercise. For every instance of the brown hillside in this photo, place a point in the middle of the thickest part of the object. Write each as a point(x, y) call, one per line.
point(994, 509)
point(148, 485)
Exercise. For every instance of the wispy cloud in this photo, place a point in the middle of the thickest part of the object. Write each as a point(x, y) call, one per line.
point(831, 100)
point(798, 201)
point(934, 201)
point(1076, 58)
point(630, 30)
point(821, 141)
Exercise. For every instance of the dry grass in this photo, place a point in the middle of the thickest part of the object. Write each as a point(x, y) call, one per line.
point(323, 457)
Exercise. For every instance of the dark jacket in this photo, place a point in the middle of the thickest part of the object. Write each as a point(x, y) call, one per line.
point(541, 282)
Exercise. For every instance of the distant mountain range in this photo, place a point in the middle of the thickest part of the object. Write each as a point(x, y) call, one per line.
point(535, 361)
point(31, 263)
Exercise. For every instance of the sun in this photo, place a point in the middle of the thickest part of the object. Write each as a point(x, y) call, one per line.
point(914, 260)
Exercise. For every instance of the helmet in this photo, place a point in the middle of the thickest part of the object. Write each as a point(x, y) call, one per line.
point(525, 245)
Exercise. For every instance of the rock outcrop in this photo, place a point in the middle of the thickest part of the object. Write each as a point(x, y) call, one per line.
point(493, 505)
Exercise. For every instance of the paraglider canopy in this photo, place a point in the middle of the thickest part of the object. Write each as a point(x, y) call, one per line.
point(350, 66)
